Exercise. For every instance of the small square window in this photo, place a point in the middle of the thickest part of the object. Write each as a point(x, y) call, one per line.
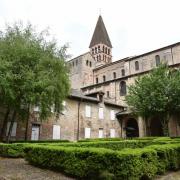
point(101, 113)
point(112, 115)
point(88, 111)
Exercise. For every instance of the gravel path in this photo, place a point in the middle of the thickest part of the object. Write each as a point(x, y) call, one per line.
point(19, 169)
point(170, 176)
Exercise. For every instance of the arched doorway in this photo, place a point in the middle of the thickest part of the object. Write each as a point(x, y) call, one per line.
point(132, 129)
point(156, 127)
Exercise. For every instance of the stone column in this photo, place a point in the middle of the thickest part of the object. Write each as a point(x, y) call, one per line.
point(141, 125)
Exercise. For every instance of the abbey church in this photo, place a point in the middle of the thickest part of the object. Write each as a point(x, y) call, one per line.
point(94, 72)
point(96, 106)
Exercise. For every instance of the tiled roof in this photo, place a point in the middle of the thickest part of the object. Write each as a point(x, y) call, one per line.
point(100, 34)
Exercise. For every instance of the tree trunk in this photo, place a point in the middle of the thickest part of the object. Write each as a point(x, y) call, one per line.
point(27, 124)
point(11, 126)
point(4, 124)
point(164, 122)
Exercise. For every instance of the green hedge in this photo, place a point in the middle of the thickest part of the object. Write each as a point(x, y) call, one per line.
point(12, 150)
point(113, 145)
point(103, 163)
point(94, 163)
point(41, 141)
point(100, 139)
point(120, 139)
point(168, 156)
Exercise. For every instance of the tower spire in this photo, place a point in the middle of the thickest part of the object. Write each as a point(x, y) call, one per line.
point(100, 34)
point(100, 45)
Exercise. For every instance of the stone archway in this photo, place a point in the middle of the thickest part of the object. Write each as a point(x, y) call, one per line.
point(156, 127)
point(132, 129)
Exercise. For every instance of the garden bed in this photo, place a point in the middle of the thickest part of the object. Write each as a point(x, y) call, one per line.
point(113, 159)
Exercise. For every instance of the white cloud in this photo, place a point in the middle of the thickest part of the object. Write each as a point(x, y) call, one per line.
point(134, 27)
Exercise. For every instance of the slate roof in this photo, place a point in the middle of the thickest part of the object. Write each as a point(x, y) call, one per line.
point(100, 34)
point(76, 94)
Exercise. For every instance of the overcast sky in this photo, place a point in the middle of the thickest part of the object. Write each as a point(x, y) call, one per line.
point(134, 26)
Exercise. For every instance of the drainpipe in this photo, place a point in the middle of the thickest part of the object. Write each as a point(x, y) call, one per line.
point(172, 56)
point(115, 92)
point(121, 129)
point(79, 103)
point(27, 124)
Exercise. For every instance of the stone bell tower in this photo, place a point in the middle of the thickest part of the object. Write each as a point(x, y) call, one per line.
point(100, 45)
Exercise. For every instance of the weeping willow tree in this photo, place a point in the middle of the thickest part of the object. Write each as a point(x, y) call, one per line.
point(33, 72)
point(156, 94)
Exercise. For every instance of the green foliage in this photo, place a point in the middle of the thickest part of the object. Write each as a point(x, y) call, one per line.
point(95, 163)
point(114, 145)
point(156, 94)
point(100, 139)
point(33, 71)
point(92, 163)
point(41, 141)
point(88, 160)
point(168, 157)
point(12, 150)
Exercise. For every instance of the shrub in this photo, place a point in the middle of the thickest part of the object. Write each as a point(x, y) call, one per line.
point(94, 163)
point(100, 139)
point(168, 156)
point(12, 150)
point(113, 145)
point(41, 141)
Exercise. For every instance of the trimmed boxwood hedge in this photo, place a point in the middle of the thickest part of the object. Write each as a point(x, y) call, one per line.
point(16, 150)
point(114, 145)
point(41, 141)
point(168, 156)
point(98, 162)
point(12, 150)
point(100, 139)
point(94, 163)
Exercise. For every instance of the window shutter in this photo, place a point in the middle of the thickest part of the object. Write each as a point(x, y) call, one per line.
point(112, 114)
point(88, 111)
point(101, 113)
point(87, 132)
point(112, 133)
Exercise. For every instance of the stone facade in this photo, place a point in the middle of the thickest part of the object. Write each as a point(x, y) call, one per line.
point(73, 121)
point(101, 86)
point(113, 78)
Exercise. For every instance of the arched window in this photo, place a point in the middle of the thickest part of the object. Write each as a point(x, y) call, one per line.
point(114, 75)
point(104, 78)
point(122, 72)
point(99, 50)
point(103, 49)
point(87, 62)
point(157, 58)
point(105, 58)
point(90, 64)
point(92, 51)
point(99, 57)
point(108, 95)
point(97, 80)
point(106, 50)
point(122, 88)
point(95, 49)
point(136, 65)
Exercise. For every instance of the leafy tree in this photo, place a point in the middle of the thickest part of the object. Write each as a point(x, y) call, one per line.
point(156, 94)
point(33, 72)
